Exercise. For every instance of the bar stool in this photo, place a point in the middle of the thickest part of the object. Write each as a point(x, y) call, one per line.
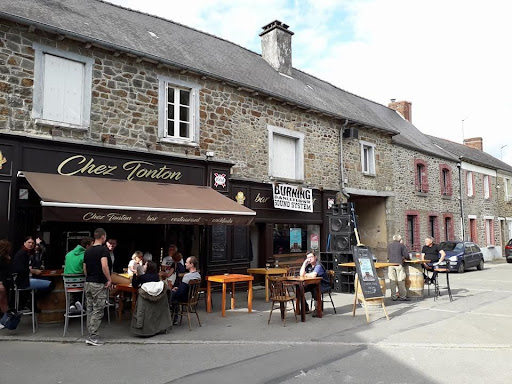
point(30, 312)
point(442, 269)
point(73, 284)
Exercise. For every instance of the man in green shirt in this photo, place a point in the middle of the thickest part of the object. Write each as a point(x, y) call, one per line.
point(74, 263)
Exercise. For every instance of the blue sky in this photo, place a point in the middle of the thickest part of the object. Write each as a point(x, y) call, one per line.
point(448, 57)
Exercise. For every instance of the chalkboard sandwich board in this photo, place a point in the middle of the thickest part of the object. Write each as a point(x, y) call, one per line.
point(368, 279)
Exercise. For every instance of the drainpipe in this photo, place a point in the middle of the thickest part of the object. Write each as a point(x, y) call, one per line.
point(342, 181)
point(463, 228)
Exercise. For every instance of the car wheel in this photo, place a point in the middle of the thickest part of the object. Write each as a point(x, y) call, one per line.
point(480, 265)
point(509, 260)
point(461, 268)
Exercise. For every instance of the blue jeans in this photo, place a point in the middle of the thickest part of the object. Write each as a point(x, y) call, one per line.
point(39, 284)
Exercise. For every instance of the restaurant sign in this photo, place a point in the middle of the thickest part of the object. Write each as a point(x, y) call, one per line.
point(293, 198)
point(83, 215)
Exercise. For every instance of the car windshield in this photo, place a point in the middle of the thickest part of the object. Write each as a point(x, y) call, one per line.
point(451, 246)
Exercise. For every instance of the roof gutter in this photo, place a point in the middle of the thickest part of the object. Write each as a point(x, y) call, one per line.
point(84, 38)
point(342, 181)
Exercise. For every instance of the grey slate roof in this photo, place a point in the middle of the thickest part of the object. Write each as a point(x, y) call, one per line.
point(471, 155)
point(123, 29)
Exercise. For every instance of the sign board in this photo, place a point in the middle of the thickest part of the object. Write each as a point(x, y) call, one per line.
point(293, 198)
point(368, 279)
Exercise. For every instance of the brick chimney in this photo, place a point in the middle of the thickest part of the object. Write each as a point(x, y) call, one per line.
point(402, 107)
point(276, 46)
point(475, 142)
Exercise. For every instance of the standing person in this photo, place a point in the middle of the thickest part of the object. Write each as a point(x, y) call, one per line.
point(115, 277)
point(172, 265)
point(5, 274)
point(180, 293)
point(432, 252)
point(111, 245)
point(312, 268)
point(98, 280)
point(397, 253)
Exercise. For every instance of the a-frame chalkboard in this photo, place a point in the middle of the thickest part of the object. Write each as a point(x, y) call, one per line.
point(368, 279)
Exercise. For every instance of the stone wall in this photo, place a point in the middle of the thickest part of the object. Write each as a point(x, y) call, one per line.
point(124, 104)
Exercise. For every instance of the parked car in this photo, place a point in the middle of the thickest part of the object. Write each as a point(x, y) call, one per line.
point(462, 255)
point(508, 251)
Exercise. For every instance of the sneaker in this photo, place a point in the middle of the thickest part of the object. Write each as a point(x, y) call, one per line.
point(94, 341)
point(394, 298)
point(72, 308)
point(2, 326)
point(79, 307)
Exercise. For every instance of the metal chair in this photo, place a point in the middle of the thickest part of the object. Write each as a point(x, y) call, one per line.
point(30, 312)
point(279, 293)
point(74, 284)
point(331, 285)
point(442, 269)
point(190, 306)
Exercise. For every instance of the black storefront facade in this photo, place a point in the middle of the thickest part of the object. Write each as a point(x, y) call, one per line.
point(218, 234)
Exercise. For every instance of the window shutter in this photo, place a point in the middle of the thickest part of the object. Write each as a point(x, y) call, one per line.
point(284, 157)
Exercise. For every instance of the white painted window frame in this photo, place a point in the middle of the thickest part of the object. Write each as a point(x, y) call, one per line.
point(371, 159)
point(299, 151)
point(487, 187)
point(506, 185)
point(469, 183)
point(37, 108)
point(163, 83)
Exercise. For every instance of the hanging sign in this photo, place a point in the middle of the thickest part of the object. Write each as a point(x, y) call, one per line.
point(293, 198)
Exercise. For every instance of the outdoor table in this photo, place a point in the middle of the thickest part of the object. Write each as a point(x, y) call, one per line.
point(122, 289)
point(224, 279)
point(267, 272)
point(301, 282)
point(414, 278)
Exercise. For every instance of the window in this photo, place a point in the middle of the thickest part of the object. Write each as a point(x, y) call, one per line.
point(286, 153)
point(469, 183)
point(421, 177)
point(178, 111)
point(62, 87)
point(433, 227)
point(473, 234)
point(448, 228)
point(507, 188)
point(445, 180)
point(368, 158)
point(487, 187)
point(412, 230)
point(489, 232)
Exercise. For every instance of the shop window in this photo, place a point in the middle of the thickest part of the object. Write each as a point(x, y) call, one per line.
point(470, 183)
point(446, 180)
point(286, 153)
point(62, 87)
point(178, 111)
point(368, 158)
point(294, 238)
point(487, 187)
point(421, 177)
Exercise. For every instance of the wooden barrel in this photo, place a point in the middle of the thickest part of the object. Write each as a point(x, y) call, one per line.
point(53, 305)
point(414, 281)
point(382, 283)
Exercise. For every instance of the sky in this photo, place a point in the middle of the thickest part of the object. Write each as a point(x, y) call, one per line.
point(450, 58)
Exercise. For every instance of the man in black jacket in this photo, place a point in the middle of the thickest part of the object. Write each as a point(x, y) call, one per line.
point(397, 253)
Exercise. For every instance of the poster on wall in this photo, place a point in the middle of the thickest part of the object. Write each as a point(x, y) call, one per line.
point(295, 240)
point(314, 241)
point(293, 198)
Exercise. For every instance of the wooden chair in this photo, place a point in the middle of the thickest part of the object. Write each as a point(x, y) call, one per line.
point(331, 284)
point(191, 305)
point(279, 294)
point(74, 284)
point(442, 269)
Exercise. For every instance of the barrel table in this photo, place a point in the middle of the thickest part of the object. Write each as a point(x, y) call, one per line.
point(52, 305)
point(414, 278)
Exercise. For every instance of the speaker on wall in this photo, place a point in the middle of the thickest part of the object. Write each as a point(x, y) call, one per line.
point(343, 242)
point(340, 224)
point(340, 209)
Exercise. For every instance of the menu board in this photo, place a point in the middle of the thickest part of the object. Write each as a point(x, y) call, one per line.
point(240, 243)
point(219, 240)
point(368, 279)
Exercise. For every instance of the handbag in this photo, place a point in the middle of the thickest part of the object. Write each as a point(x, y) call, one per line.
point(10, 319)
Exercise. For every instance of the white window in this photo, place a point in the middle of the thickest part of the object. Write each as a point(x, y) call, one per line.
point(368, 158)
point(469, 183)
point(286, 153)
point(178, 111)
point(487, 191)
point(506, 188)
point(62, 87)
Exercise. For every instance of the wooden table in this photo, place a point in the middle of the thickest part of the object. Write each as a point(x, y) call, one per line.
point(225, 279)
point(301, 282)
point(267, 272)
point(414, 281)
point(53, 304)
point(122, 288)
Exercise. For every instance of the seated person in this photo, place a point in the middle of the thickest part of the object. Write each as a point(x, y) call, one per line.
point(151, 275)
point(37, 256)
point(432, 252)
point(179, 294)
point(134, 263)
point(312, 268)
point(74, 265)
point(141, 269)
point(172, 265)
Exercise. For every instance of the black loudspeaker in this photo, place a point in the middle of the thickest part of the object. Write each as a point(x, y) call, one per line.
point(340, 258)
point(343, 242)
point(344, 282)
point(340, 209)
point(340, 224)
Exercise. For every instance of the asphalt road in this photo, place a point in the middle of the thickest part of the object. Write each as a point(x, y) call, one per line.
point(465, 341)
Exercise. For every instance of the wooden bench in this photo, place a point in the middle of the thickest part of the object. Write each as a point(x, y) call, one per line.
point(286, 260)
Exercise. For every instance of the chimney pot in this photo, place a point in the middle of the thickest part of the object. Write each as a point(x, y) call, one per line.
point(276, 46)
point(404, 108)
point(475, 142)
